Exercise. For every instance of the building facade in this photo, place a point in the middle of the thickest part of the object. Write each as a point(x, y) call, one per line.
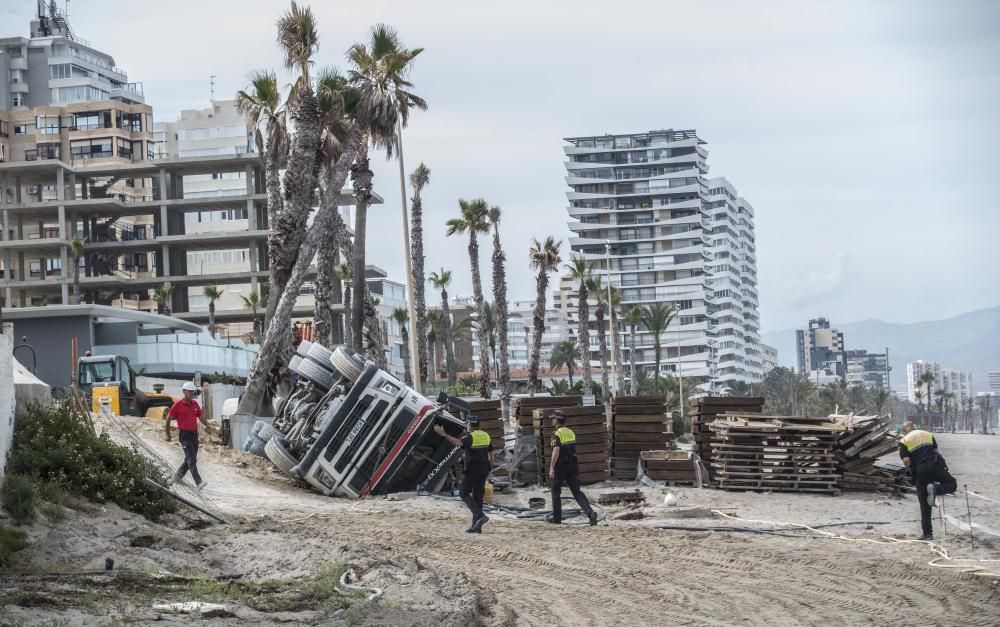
point(769, 358)
point(993, 384)
point(951, 380)
point(821, 354)
point(675, 237)
point(867, 369)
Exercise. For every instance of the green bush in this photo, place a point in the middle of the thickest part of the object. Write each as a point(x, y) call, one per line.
point(56, 446)
point(18, 497)
point(11, 541)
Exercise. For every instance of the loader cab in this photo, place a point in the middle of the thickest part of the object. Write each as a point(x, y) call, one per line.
point(105, 370)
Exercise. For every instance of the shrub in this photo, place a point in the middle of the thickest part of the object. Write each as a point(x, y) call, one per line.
point(57, 446)
point(11, 541)
point(18, 496)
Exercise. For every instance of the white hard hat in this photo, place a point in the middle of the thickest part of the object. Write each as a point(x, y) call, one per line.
point(189, 387)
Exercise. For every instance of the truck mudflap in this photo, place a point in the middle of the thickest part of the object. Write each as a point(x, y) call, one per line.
point(331, 426)
point(393, 453)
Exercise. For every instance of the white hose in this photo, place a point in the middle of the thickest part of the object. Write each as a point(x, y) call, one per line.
point(372, 593)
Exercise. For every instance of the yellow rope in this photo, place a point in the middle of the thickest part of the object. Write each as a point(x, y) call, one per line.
point(942, 553)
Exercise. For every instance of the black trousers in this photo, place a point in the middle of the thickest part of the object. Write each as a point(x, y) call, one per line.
point(473, 487)
point(189, 444)
point(569, 475)
point(924, 474)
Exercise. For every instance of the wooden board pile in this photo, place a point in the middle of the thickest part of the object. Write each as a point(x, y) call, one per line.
point(590, 426)
point(525, 461)
point(775, 453)
point(670, 466)
point(638, 423)
point(706, 410)
point(524, 408)
point(865, 439)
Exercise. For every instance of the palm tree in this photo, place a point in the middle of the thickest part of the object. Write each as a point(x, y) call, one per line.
point(474, 219)
point(594, 287)
point(565, 353)
point(374, 343)
point(612, 307)
point(918, 397)
point(76, 250)
point(984, 403)
point(435, 330)
point(544, 259)
point(558, 387)
point(500, 305)
point(880, 398)
point(251, 302)
point(343, 273)
point(418, 180)
point(926, 379)
point(361, 178)
point(633, 318)
point(656, 318)
point(580, 269)
point(384, 101)
point(265, 113)
point(489, 331)
point(212, 293)
point(163, 295)
point(441, 281)
point(402, 318)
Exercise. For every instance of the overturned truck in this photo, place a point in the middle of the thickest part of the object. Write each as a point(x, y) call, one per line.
point(349, 428)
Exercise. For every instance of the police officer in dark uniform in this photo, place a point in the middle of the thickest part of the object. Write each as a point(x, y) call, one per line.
point(565, 469)
point(478, 463)
point(919, 452)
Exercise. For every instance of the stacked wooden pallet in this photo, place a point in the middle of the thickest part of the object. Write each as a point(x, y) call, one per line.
point(706, 410)
point(524, 408)
point(590, 426)
point(489, 419)
point(671, 466)
point(638, 423)
point(865, 439)
point(775, 453)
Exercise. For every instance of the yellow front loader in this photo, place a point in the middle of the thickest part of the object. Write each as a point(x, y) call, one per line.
point(108, 380)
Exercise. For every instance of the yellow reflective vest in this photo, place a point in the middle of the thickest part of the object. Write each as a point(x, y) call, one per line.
point(480, 439)
point(917, 438)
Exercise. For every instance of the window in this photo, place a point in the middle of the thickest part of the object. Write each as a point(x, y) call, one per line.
point(91, 148)
point(47, 125)
point(92, 120)
point(124, 148)
point(59, 71)
point(20, 129)
point(17, 100)
point(4, 128)
point(48, 151)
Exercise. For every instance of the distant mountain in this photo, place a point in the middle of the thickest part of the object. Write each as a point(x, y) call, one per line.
point(970, 341)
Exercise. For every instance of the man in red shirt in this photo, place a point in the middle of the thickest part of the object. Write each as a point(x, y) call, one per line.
point(187, 413)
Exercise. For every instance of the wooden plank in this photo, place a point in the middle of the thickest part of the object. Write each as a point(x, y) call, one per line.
point(653, 438)
point(633, 418)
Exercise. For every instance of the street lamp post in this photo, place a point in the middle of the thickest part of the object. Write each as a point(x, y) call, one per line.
point(410, 307)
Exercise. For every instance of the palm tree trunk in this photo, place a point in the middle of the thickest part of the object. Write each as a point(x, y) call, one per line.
point(635, 384)
point(417, 270)
point(450, 364)
point(405, 354)
point(602, 346)
point(656, 352)
point(616, 354)
point(374, 340)
point(348, 330)
point(432, 366)
point(211, 317)
point(76, 280)
point(477, 292)
point(275, 339)
point(290, 226)
point(538, 327)
point(583, 335)
point(500, 312)
point(361, 175)
point(272, 185)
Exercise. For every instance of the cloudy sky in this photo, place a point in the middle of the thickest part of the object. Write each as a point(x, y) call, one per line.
point(865, 134)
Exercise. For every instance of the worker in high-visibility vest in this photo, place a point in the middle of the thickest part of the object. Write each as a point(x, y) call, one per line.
point(919, 452)
point(478, 463)
point(565, 469)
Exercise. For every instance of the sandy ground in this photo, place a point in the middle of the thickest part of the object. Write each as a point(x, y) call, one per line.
point(623, 572)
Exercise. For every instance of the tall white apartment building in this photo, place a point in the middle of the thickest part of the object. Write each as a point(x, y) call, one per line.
point(675, 237)
point(216, 130)
point(958, 382)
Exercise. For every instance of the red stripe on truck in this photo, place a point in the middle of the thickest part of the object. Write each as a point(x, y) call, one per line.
point(410, 430)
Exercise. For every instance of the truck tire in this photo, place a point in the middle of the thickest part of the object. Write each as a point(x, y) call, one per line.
point(316, 373)
point(293, 363)
point(303, 347)
point(276, 450)
point(257, 426)
point(266, 432)
point(319, 354)
point(254, 445)
point(347, 363)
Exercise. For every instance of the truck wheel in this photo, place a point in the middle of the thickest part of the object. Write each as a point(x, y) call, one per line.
point(303, 347)
point(266, 432)
point(316, 373)
point(257, 427)
point(319, 354)
point(276, 450)
point(254, 445)
point(347, 363)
